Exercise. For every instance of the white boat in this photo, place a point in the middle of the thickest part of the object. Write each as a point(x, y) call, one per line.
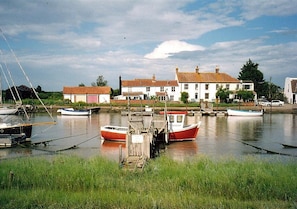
point(244, 112)
point(8, 111)
point(73, 112)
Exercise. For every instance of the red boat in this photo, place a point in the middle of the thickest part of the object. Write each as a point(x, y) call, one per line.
point(176, 128)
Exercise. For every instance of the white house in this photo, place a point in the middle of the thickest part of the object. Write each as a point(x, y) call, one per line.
point(150, 89)
point(96, 94)
point(202, 86)
point(290, 90)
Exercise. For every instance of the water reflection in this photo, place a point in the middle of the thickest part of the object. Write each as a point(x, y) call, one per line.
point(217, 136)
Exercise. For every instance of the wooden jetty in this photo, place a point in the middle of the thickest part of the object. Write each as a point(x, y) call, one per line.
point(143, 141)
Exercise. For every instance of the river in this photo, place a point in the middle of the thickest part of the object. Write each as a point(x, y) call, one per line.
point(218, 137)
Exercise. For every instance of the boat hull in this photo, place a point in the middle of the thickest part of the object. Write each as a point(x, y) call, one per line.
point(248, 113)
point(17, 129)
point(185, 134)
point(74, 112)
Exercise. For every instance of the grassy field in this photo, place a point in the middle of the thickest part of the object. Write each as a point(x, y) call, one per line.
point(72, 182)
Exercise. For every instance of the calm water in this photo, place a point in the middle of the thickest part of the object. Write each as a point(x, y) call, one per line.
point(218, 137)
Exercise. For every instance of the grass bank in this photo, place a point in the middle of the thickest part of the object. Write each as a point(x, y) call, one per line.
point(72, 182)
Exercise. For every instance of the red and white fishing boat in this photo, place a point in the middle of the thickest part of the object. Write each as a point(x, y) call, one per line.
point(177, 129)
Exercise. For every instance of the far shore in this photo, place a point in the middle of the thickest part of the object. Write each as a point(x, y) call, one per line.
point(286, 109)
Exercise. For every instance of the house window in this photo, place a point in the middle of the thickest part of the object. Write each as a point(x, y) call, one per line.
point(217, 86)
point(227, 86)
point(206, 95)
point(171, 97)
point(186, 86)
point(196, 86)
point(173, 88)
point(246, 86)
point(206, 86)
point(196, 96)
point(148, 89)
point(237, 86)
point(162, 88)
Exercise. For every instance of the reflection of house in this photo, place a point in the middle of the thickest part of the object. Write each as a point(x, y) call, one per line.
point(202, 86)
point(97, 94)
point(290, 90)
point(150, 88)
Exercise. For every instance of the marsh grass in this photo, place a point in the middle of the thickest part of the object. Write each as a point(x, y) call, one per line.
point(72, 182)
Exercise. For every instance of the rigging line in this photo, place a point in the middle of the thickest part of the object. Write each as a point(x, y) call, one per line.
point(25, 75)
point(14, 87)
point(55, 139)
point(76, 145)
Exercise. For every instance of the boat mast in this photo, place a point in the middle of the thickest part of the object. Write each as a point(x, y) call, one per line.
point(17, 60)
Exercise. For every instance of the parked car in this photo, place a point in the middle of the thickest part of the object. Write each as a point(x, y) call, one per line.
point(263, 102)
point(275, 103)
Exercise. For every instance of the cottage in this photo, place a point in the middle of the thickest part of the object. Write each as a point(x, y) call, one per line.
point(202, 86)
point(96, 94)
point(150, 89)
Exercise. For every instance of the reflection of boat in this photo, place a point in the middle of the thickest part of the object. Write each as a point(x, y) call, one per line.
point(73, 112)
point(244, 112)
point(177, 129)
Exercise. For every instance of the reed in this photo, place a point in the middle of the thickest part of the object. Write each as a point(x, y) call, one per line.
point(73, 182)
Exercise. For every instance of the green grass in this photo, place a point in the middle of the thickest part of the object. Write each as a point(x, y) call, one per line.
point(72, 182)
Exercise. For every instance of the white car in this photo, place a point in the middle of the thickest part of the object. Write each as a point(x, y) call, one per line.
point(276, 103)
point(263, 102)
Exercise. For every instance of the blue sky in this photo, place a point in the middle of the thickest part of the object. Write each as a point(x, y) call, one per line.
point(69, 42)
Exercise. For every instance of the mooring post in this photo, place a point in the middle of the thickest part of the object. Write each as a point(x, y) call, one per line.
point(120, 155)
point(11, 175)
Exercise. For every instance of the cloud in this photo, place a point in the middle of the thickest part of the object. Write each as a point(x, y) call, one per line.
point(168, 48)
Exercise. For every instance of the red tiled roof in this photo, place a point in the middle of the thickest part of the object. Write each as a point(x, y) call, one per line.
point(148, 83)
point(86, 90)
point(194, 77)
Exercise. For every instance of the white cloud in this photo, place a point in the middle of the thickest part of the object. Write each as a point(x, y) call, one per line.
point(168, 48)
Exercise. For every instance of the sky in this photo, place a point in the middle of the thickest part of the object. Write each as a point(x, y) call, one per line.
point(70, 42)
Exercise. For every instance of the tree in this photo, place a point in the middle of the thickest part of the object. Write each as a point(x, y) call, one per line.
point(184, 97)
point(223, 94)
point(81, 85)
point(250, 71)
point(100, 81)
point(245, 95)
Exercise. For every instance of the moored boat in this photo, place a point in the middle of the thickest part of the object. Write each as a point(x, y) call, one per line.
point(72, 112)
point(8, 111)
point(244, 112)
point(177, 130)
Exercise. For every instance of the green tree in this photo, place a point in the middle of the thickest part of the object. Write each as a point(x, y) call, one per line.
point(245, 95)
point(184, 97)
point(81, 84)
point(223, 94)
point(100, 81)
point(250, 71)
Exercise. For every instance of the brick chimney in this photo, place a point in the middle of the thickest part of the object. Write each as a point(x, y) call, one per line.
point(197, 69)
point(217, 69)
